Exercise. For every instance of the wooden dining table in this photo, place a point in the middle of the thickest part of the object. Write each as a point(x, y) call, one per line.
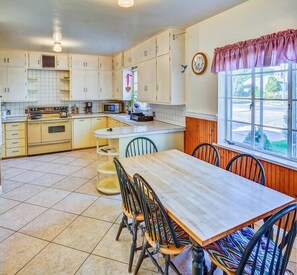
point(208, 202)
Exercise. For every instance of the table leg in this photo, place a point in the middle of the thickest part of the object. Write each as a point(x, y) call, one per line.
point(198, 263)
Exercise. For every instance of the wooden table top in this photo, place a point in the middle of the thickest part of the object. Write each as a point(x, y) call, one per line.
point(206, 201)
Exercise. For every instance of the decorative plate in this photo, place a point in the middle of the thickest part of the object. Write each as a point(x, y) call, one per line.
point(199, 63)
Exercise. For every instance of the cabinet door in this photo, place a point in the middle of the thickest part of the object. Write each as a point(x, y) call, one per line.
point(78, 61)
point(2, 59)
point(117, 91)
point(81, 133)
point(128, 58)
point(118, 61)
point(62, 62)
point(77, 86)
point(92, 62)
point(147, 81)
point(163, 42)
point(3, 83)
point(34, 132)
point(92, 85)
point(148, 49)
point(105, 63)
point(16, 83)
point(34, 60)
point(163, 79)
point(16, 59)
point(105, 84)
point(97, 124)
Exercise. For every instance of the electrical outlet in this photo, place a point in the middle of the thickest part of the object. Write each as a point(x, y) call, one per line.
point(8, 112)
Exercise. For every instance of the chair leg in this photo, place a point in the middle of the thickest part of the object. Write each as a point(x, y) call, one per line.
point(122, 225)
point(133, 244)
point(167, 263)
point(213, 268)
point(172, 265)
point(141, 257)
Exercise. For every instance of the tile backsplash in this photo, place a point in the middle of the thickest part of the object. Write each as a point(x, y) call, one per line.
point(174, 114)
point(49, 87)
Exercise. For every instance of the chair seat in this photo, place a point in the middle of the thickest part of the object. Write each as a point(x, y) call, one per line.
point(228, 251)
point(182, 237)
point(139, 217)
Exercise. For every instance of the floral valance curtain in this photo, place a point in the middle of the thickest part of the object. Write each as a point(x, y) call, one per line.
point(268, 50)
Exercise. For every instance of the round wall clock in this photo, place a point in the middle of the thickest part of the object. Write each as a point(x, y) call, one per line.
point(199, 63)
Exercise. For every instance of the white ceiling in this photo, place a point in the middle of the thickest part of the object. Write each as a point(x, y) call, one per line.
point(96, 26)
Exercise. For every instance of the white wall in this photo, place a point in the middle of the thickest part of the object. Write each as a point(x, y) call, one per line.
point(248, 20)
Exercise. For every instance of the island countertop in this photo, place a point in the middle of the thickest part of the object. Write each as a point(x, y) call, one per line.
point(138, 129)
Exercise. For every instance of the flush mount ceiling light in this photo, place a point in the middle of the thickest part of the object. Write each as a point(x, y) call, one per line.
point(57, 46)
point(126, 3)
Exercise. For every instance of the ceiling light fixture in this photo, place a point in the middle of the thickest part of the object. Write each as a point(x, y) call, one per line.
point(57, 46)
point(126, 3)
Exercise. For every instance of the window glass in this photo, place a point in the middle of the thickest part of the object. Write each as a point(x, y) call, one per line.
point(261, 109)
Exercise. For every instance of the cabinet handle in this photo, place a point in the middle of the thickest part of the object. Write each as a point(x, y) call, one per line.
point(145, 53)
point(157, 87)
point(14, 134)
point(57, 62)
point(15, 142)
point(86, 90)
point(38, 62)
point(14, 125)
point(86, 64)
point(8, 60)
point(145, 88)
point(81, 120)
point(15, 151)
point(4, 59)
point(8, 90)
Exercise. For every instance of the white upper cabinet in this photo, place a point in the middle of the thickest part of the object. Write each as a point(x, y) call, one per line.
point(105, 85)
point(34, 61)
point(163, 79)
point(77, 84)
point(147, 49)
point(105, 63)
point(163, 42)
point(117, 62)
point(147, 81)
point(92, 85)
point(128, 60)
point(117, 90)
point(87, 62)
point(62, 62)
point(13, 76)
point(160, 79)
point(13, 58)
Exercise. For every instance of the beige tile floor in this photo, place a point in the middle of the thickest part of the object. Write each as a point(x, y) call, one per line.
point(54, 221)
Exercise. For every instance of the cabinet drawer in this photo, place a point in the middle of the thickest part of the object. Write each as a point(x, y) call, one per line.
point(14, 134)
point(13, 152)
point(15, 126)
point(14, 143)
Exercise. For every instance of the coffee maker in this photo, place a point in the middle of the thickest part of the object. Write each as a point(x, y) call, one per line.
point(88, 107)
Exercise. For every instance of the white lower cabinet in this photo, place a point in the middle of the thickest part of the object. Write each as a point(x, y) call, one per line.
point(83, 132)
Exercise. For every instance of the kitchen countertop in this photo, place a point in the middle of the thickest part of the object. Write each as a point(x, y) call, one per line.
point(139, 128)
point(14, 119)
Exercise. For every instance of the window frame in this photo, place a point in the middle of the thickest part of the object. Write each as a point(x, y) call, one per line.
point(226, 107)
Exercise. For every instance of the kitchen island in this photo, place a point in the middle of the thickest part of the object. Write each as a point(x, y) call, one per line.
point(166, 136)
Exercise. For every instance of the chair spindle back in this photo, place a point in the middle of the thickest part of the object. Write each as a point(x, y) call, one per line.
point(140, 146)
point(208, 153)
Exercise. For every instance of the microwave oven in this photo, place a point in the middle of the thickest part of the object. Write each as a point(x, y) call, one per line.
point(113, 107)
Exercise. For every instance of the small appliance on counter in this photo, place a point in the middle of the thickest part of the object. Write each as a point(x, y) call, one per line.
point(88, 107)
point(141, 117)
point(113, 107)
point(74, 109)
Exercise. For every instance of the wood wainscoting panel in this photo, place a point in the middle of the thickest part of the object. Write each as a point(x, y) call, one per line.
point(278, 177)
point(199, 131)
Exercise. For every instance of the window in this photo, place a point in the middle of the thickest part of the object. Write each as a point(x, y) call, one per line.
point(257, 109)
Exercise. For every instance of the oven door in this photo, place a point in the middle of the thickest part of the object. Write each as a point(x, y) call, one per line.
point(56, 130)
